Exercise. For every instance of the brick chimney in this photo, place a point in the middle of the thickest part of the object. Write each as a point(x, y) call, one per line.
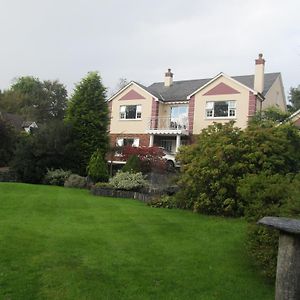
point(168, 78)
point(259, 74)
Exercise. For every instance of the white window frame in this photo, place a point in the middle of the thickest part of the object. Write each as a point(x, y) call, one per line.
point(120, 141)
point(138, 113)
point(209, 109)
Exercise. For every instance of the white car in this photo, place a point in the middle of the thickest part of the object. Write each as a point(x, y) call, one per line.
point(171, 161)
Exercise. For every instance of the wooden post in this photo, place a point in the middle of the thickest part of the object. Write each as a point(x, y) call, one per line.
point(288, 260)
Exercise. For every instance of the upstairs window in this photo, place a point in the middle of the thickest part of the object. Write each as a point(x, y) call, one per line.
point(220, 109)
point(130, 112)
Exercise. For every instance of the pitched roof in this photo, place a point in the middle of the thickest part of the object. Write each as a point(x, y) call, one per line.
point(15, 120)
point(180, 90)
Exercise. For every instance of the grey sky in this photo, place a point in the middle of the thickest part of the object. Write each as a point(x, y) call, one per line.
point(139, 39)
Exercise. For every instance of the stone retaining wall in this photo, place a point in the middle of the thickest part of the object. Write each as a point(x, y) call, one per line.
point(109, 192)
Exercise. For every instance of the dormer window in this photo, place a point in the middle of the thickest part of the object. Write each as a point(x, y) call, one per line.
point(130, 112)
point(220, 109)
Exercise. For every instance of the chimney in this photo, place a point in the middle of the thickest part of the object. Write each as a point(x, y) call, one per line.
point(259, 74)
point(168, 78)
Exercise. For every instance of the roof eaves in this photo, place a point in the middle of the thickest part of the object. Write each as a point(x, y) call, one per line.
point(218, 76)
point(127, 85)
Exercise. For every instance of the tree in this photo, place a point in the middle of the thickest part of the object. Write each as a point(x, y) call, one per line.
point(35, 100)
point(294, 98)
point(50, 147)
point(8, 139)
point(88, 113)
point(97, 167)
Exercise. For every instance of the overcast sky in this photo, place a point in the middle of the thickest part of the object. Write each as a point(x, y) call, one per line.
point(139, 39)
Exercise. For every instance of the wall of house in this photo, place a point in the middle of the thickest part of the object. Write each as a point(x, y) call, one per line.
point(242, 105)
point(164, 110)
point(137, 126)
point(275, 96)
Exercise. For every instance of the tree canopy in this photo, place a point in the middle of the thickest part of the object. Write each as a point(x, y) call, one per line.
point(88, 113)
point(294, 98)
point(36, 100)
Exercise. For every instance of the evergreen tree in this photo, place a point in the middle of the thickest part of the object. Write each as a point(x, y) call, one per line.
point(88, 113)
point(97, 168)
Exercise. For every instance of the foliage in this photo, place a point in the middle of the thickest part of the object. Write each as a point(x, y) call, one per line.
point(223, 154)
point(151, 158)
point(88, 113)
point(270, 116)
point(268, 195)
point(50, 147)
point(164, 201)
point(133, 164)
point(8, 139)
point(40, 101)
point(210, 171)
point(56, 177)
point(103, 185)
point(97, 167)
point(294, 99)
point(128, 181)
point(76, 181)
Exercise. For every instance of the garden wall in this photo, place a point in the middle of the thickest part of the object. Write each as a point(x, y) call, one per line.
point(109, 192)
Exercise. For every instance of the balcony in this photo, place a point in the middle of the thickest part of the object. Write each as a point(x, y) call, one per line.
point(161, 125)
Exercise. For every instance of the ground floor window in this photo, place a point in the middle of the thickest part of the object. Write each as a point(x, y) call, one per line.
point(134, 142)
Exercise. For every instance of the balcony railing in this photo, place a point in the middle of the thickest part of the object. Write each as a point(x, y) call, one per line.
point(179, 125)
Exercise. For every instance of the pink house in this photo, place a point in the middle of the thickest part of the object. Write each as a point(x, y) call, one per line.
point(169, 113)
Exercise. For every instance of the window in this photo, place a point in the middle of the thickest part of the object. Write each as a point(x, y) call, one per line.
point(130, 112)
point(220, 109)
point(179, 117)
point(179, 112)
point(134, 142)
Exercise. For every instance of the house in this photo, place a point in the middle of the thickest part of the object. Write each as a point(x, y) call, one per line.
point(170, 113)
point(28, 126)
point(18, 122)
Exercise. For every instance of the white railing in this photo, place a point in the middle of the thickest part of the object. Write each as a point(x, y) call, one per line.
point(169, 124)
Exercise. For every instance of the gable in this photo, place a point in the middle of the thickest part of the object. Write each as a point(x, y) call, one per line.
point(221, 89)
point(132, 95)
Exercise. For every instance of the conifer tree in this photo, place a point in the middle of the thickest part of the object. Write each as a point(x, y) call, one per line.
point(88, 113)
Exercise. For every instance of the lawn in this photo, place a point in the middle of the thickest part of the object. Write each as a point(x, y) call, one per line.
point(59, 243)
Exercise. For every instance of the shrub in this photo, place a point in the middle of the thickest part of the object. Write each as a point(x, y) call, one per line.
point(133, 164)
point(163, 201)
point(97, 167)
point(151, 158)
point(266, 195)
point(56, 177)
point(223, 155)
point(128, 181)
point(51, 146)
point(103, 185)
point(76, 181)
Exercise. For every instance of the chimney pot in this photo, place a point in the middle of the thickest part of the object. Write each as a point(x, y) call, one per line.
point(259, 73)
point(168, 78)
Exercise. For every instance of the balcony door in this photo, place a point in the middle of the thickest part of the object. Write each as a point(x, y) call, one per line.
point(179, 117)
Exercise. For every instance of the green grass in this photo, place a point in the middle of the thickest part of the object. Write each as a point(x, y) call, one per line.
point(58, 243)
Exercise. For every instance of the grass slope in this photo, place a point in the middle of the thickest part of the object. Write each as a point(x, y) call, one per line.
point(58, 243)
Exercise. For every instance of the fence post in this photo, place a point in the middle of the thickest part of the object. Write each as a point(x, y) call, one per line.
point(288, 260)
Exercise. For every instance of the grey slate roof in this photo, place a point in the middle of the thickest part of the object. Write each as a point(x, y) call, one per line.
point(12, 119)
point(179, 90)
